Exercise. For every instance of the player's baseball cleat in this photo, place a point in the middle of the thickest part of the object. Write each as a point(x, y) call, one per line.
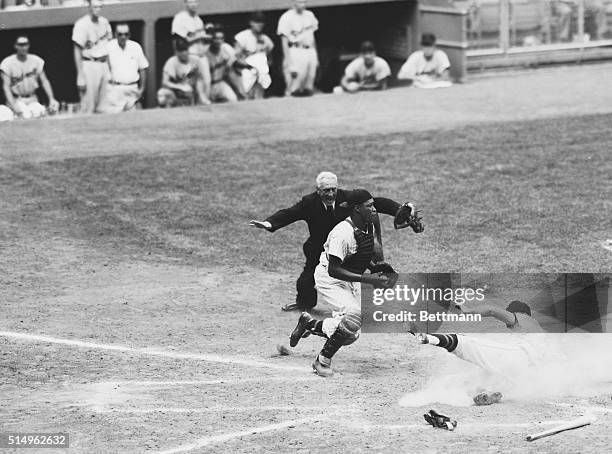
point(421, 338)
point(487, 399)
point(322, 370)
point(290, 307)
point(300, 329)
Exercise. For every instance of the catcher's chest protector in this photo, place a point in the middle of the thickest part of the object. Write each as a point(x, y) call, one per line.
point(359, 262)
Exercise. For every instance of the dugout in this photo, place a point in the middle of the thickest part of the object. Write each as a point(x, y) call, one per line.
point(393, 25)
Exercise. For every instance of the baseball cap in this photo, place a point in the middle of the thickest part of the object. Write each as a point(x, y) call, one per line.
point(258, 17)
point(359, 196)
point(181, 45)
point(367, 47)
point(428, 39)
point(22, 41)
point(519, 306)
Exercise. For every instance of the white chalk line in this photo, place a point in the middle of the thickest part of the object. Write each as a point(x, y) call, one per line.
point(151, 352)
point(217, 409)
point(213, 439)
point(583, 407)
point(474, 425)
point(220, 381)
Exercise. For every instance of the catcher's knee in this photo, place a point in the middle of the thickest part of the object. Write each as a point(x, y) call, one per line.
point(350, 326)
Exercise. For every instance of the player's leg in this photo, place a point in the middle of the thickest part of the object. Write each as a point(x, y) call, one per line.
point(225, 93)
point(91, 73)
point(115, 100)
point(344, 327)
point(36, 109)
point(6, 114)
point(206, 76)
point(104, 78)
point(311, 69)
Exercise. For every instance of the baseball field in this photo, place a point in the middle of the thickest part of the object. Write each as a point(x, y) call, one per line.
point(140, 313)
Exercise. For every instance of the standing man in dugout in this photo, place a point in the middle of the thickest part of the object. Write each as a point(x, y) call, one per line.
point(128, 66)
point(322, 210)
point(22, 73)
point(91, 35)
point(296, 27)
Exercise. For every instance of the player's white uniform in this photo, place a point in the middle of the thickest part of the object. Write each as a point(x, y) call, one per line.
point(357, 71)
point(507, 354)
point(220, 66)
point(344, 296)
point(191, 28)
point(93, 38)
point(184, 74)
point(417, 66)
point(254, 49)
point(125, 66)
point(24, 80)
point(299, 30)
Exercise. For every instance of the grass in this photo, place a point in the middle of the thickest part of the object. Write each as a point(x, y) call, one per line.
point(522, 196)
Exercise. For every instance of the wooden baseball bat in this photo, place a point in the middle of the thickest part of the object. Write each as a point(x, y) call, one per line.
point(573, 424)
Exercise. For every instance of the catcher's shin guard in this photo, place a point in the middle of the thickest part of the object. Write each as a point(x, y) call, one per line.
point(346, 333)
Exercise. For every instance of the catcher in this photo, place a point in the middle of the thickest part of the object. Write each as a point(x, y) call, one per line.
point(323, 210)
point(348, 252)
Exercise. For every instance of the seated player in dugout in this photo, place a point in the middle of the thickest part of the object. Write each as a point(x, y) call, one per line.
point(427, 65)
point(366, 72)
point(225, 69)
point(22, 74)
point(254, 48)
point(183, 80)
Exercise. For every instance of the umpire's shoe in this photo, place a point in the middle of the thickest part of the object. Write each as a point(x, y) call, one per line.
point(301, 328)
point(322, 369)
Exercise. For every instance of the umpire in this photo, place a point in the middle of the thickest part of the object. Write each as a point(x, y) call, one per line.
point(321, 210)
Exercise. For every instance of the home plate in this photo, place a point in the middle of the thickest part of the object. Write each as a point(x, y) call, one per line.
point(607, 245)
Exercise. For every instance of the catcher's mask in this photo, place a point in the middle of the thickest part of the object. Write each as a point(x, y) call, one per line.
point(520, 307)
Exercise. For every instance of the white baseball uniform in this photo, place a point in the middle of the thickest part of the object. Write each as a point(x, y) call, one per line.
point(93, 38)
point(255, 50)
point(299, 29)
point(24, 81)
point(417, 65)
point(220, 66)
point(357, 70)
point(191, 28)
point(342, 295)
point(180, 73)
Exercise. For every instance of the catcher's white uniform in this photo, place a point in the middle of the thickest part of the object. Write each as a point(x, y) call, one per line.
point(342, 295)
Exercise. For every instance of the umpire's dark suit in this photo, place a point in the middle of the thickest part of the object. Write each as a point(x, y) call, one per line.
point(312, 210)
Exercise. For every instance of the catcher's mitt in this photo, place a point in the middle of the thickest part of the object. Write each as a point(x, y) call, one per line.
point(440, 421)
point(406, 218)
point(383, 268)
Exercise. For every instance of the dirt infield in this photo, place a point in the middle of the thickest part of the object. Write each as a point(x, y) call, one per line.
point(139, 313)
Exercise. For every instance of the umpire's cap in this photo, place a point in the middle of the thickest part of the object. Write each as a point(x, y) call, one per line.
point(520, 307)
